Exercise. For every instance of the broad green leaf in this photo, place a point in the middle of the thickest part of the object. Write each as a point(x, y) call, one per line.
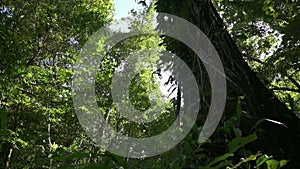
point(237, 143)
point(261, 160)
point(219, 159)
point(273, 164)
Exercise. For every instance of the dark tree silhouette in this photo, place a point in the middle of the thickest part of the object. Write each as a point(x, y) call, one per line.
point(281, 141)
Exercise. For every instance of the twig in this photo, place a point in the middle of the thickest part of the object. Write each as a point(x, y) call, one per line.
point(8, 158)
point(285, 89)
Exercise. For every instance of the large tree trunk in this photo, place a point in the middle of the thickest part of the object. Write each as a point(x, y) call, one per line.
point(277, 140)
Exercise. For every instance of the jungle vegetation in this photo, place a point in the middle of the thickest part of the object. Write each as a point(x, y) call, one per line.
point(257, 42)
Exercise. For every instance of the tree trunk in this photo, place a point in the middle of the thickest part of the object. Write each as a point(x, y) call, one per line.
point(277, 140)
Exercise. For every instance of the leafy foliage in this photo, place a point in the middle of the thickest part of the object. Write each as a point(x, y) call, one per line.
point(267, 33)
point(40, 42)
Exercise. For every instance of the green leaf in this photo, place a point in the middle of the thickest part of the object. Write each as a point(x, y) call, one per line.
point(282, 163)
point(120, 161)
point(237, 143)
point(269, 120)
point(273, 164)
point(261, 160)
point(250, 158)
point(221, 165)
point(219, 159)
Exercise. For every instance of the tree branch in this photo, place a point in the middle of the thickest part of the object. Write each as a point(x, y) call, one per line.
point(294, 82)
point(253, 59)
point(285, 89)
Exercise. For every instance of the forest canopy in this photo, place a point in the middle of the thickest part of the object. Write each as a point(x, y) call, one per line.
point(41, 46)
